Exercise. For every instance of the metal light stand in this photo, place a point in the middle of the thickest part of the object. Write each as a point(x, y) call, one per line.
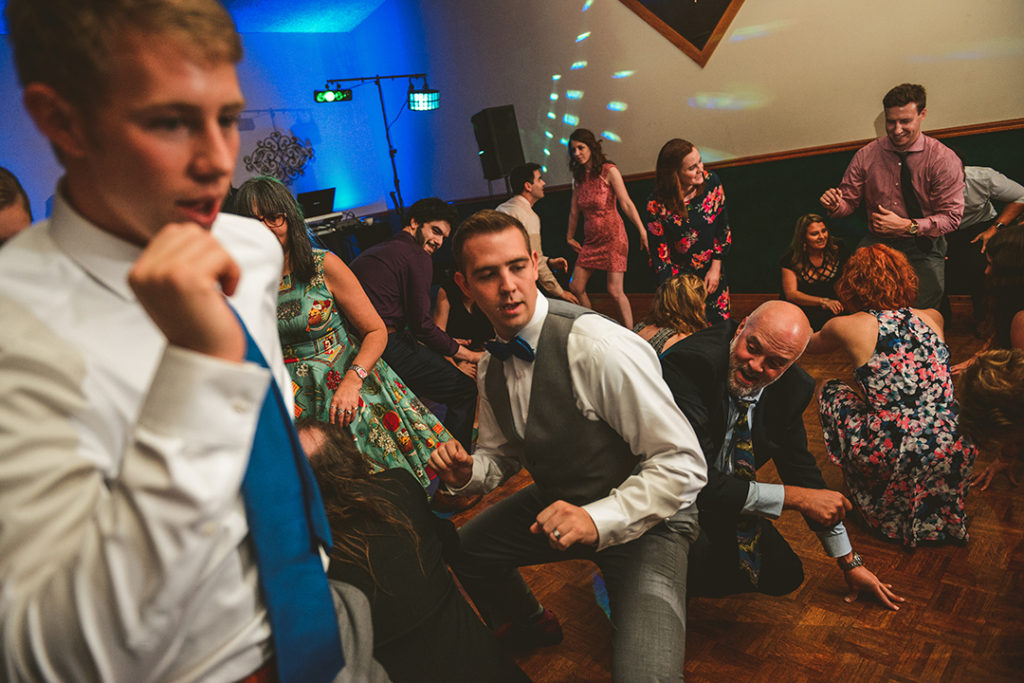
point(396, 196)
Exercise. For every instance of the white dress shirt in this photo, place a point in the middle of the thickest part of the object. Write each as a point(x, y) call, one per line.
point(124, 551)
point(520, 208)
point(616, 378)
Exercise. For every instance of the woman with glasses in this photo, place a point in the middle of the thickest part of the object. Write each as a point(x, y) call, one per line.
point(332, 339)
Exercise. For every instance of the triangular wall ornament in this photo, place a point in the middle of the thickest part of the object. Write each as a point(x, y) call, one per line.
point(694, 26)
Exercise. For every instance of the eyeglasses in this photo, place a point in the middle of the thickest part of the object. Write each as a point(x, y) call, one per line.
point(275, 221)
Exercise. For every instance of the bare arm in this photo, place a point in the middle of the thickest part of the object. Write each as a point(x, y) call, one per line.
point(357, 309)
point(574, 217)
point(626, 203)
point(1007, 216)
point(790, 289)
point(441, 309)
point(1017, 331)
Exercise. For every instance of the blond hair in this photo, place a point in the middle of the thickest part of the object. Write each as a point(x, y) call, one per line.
point(69, 44)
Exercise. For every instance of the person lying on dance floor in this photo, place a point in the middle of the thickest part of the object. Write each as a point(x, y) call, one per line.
point(905, 463)
point(992, 411)
point(390, 545)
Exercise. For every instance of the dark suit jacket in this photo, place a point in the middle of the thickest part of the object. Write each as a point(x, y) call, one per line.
point(696, 370)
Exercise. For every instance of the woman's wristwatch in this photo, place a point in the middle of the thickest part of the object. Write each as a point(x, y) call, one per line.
point(360, 371)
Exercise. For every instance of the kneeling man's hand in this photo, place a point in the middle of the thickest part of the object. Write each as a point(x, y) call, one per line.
point(862, 580)
point(565, 524)
point(452, 463)
point(823, 506)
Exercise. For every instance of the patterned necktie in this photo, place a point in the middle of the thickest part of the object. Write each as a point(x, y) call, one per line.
point(748, 528)
point(518, 347)
point(287, 524)
point(907, 189)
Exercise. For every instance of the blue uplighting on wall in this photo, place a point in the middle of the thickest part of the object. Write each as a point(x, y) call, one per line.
point(583, 36)
point(578, 65)
point(617, 106)
point(571, 120)
point(574, 94)
point(587, 5)
point(626, 73)
point(300, 16)
point(610, 136)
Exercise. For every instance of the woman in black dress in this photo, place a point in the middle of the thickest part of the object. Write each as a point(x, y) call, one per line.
point(810, 268)
point(389, 544)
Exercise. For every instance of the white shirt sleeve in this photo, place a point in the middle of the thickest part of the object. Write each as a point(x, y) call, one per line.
point(96, 571)
point(617, 378)
point(494, 458)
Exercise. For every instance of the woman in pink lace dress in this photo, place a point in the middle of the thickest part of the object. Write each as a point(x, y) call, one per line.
point(597, 193)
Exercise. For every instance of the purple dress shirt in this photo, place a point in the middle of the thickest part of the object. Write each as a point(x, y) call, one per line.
point(396, 276)
point(935, 171)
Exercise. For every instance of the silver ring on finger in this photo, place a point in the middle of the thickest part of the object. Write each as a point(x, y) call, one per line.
point(556, 534)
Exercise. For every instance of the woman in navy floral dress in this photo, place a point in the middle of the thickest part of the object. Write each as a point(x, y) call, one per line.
point(904, 460)
point(687, 224)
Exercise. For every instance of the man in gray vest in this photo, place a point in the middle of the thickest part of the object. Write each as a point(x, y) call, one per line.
point(579, 401)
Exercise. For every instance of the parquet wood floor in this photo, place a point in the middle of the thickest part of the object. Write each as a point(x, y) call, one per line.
point(963, 619)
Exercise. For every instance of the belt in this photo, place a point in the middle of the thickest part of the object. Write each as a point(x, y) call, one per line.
point(265, 674)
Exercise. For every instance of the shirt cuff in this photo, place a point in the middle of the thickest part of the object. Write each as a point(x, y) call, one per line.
point(194, 396)
point(765, 500)
point(835, 541)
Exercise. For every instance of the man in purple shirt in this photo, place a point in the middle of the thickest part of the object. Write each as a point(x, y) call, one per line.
point(396, 275)
point(913, 189)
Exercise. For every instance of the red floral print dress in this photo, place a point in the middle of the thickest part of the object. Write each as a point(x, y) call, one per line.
point(688, 243)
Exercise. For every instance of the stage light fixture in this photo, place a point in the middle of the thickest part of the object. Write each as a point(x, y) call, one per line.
point(423, 99)
point(335, 95)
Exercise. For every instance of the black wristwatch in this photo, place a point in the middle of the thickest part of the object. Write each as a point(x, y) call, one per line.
point(852, 563)
point(998, 226)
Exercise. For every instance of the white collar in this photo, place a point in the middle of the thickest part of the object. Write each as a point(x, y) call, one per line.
point(103, 256)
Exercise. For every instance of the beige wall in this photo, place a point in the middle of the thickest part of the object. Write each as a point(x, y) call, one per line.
point(799, 72)
point(789, 74)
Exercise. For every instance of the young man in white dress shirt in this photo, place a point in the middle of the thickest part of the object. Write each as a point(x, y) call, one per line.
point(127, 409)
point(528, 185)
point(616, 466)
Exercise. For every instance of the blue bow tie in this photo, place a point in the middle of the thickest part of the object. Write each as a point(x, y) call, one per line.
point(518, 347)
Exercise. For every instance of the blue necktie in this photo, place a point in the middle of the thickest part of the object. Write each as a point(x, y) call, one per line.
point(748, 528)
point(518, 347)
point(287, 524)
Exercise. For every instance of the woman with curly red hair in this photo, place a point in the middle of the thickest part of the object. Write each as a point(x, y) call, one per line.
point(905, 463)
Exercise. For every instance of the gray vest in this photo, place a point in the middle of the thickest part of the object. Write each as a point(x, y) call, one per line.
point(570, 457)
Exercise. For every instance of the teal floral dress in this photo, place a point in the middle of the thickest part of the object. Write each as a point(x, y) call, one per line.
point(392, 427)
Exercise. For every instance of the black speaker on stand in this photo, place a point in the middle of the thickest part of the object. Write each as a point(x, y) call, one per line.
point(497, 137)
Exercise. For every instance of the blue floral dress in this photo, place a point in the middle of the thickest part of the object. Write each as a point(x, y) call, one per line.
point(687, 243)
point(904, 461)
point(392, 427)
